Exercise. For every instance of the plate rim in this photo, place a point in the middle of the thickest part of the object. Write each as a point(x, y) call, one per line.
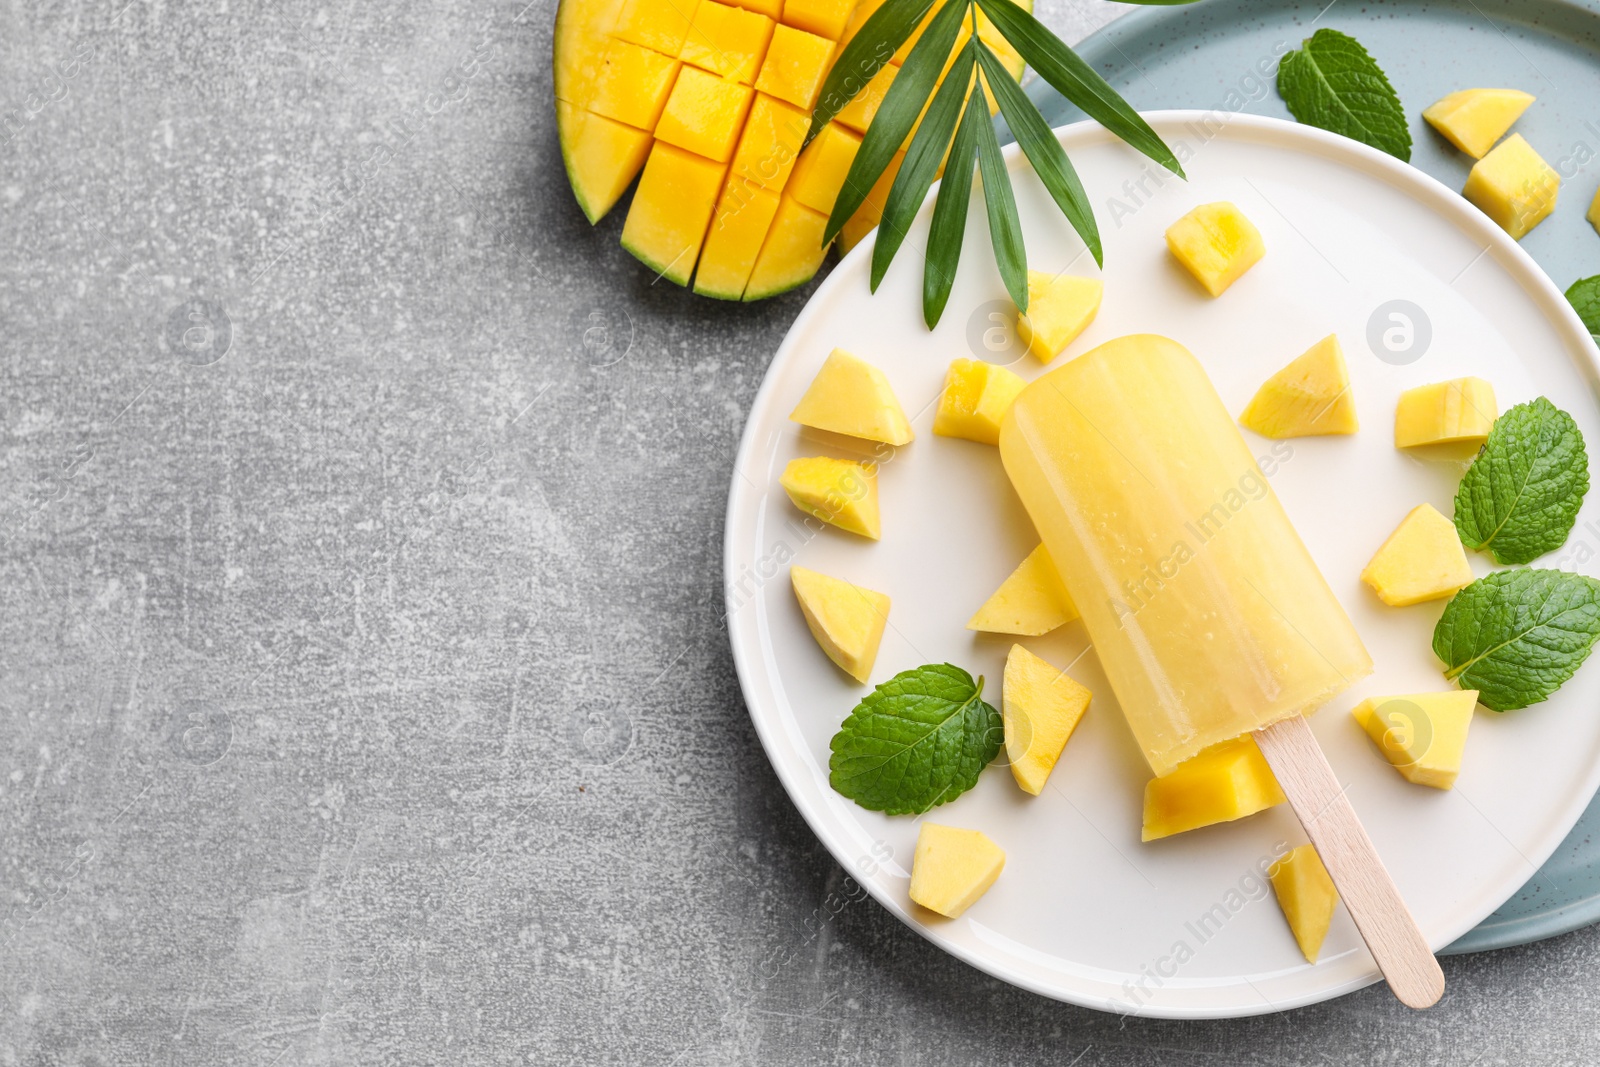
point(1552, 302)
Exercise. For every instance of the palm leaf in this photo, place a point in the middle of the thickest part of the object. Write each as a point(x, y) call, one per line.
point(868, 52)
point(950, 211)
point(1005, 229)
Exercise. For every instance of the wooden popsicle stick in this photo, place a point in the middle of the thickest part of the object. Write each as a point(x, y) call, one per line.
point(1368, 892)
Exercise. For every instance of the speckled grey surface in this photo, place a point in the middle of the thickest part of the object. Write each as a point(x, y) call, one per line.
point(364, 698)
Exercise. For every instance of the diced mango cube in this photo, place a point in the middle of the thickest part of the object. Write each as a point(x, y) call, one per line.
point(1060, 307)
point(1422, 560)
point(1040, 709)
point(825, 18)
point(837, 491)
point(847, 620)
point(661, 25)
point(1514, 186)
point(870, 213)
point(792, 251)
point(1307, 897)
point(1460, 411)
point(952, 868)
point(858, 18)
point(728, 41)
point(1474, 119)
point(770, 143)
point(704, 114)
point(632, 84)
point(1031, 602)
point(851, 396)
point(1223, 783)
point(1594, 212)
point(795, 66)
point(863, 107)
point(820, 171)
point(1309, 397)
point(744, 214)
point(671, 210)
point(1217, 244)
point(976, 397)
point(602, 156)
point(1424, 735)
point(770, 8)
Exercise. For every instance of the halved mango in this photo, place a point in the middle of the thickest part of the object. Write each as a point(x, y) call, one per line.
point(602, 157)
point(976, 397)
point(1514, 186)
point(837, 491)
point(847, 620)
point(1060, 307)
point(1217, 244)
point(1306, 896)
point(952, 868)
point(1474, 119)
point(1424, 735)
point(852, 397)
point(1422, 560)
point(1030, 602)
point(671, 210)
point(1309, 397)
point(1223, 783)
point(1041, 706)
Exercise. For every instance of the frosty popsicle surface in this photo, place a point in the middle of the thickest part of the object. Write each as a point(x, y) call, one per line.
point(1208, 614)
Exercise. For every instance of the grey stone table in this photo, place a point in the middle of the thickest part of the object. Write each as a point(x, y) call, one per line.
point(363, 689)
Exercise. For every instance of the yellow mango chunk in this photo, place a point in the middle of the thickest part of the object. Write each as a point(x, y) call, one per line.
point(820, 171)
point(1422, 560)
point(1514, 186)
point(1223, 783)
point(740, 225)
point(1217, 244)
point(976, 397)
point(851, 396)
point(952, 868)
point(825, 18)
point(1460, 411)
point(1309, 397)
point(1424, 735)
point(1474, 119)
point(1041, 708)
point(1594, 212)
point(728, 41)
point(671, 209)
point(632, 84)
point(704, 114)
point(1031, 602)
point(863, 107)
point(1060, 307)
point(1307, 897)
point(791, 253)
point(847, 620)
point(660, 25)
point(795, 66)
point(770, 8)
point(602, 157)
point(770, 144)
point(837, 491)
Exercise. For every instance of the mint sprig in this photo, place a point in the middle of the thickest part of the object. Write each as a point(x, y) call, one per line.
point(1584, 296)
point(917, 741)
point(1333, 83)
point(1521, 495)
point(1517, 635)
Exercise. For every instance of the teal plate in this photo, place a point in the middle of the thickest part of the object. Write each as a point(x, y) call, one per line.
point(1213, 55)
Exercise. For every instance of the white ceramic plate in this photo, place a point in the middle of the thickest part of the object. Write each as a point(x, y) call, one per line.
point(1083, 912)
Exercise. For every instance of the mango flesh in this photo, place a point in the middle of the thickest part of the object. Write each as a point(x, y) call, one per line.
point(1594, 212)
point(1460, 411)
point(671, 210)
point(1474, 119)
point(1514, 186)
point(1226, 782)
point(847, 620)
point(820, 171)
point(1216, 243)
point(1060, 307)
point(1422, 560)
point(1040, 709)
point(851, 396)
point(1029, 603)
point(976, 397)
point(837, 491)
point(1307, 897)
point(655, 69)
point(1424, 735)
point(952, 868)
point(1311, 396)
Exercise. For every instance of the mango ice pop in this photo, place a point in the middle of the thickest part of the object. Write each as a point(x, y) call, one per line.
point(1208, 614)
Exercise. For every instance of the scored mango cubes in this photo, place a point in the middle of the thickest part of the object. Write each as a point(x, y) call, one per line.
point(633, 84)
point(1422, 560)
point(1424, 735)
point(976, 397)
point(820, 171)
point(795, 66)
point(826, 18)
point(1217, 244)
point(704, 114)
point(660, 25)
point(1224, 783)
point(744, 214)
point(1460, 411)
point(837, 491)
point(728, 41)
point(770, 144)
point(672, 209)
point(1514, 186)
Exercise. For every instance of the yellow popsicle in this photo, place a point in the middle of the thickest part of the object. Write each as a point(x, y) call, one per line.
point(1208, 614)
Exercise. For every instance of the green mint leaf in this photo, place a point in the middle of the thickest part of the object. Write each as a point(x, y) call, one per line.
point(919, 740)
point(1333, 84)
point(1516, 636)
point(1584, 296)
point(1521, 495)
